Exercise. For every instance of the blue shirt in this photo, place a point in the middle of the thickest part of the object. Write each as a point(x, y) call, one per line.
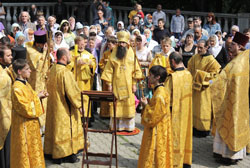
point(177, 24)
point(203, 37)
point(211, 29)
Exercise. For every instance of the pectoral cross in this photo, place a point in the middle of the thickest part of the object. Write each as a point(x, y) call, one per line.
point(123, 67)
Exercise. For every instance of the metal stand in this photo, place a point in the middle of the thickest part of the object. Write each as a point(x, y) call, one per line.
point(99, 96)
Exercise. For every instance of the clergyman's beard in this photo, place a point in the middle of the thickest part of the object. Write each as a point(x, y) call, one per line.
point(121, 52)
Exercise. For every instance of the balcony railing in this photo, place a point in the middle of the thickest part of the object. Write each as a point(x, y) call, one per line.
point(121, 13)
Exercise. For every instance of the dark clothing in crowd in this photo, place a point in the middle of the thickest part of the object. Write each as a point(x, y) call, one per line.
point(186, 55)
point(60, 11)
point(160, 34)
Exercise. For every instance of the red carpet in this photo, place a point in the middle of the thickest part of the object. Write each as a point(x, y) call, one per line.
point(126, 133)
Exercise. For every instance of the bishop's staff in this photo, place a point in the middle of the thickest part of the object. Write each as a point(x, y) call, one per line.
point(47, 57)
point(75, 61)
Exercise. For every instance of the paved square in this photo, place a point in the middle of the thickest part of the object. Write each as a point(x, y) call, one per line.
point(129, 147)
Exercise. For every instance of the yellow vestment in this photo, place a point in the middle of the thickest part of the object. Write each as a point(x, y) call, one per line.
point(83, 74)
point(179, 88)
point(5, 105)
point(230, 102)
point(122, 74)
point(157, 146)
point(39, 66)
point(63, 131)
point(203, 69)
point(26, 143)
point(162, 60)
point(105, 111)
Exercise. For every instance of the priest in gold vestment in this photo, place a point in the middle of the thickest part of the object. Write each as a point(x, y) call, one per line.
point(179, 88)
point(157, 144)
point(5, 106)
point(111, 43)
point(203, 68)
point(83, 65)
point(162, 58)
point(230, 104)
point(63, 131)
point(121, 74)
point(26, 143)
point(39, 64)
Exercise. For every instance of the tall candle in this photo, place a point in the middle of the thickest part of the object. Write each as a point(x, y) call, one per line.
point(76, 50)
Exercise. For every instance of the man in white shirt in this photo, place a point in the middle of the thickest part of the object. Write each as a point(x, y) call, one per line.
point(25, 21)
point(177, 24)
point(53, 26)
point(158, 15)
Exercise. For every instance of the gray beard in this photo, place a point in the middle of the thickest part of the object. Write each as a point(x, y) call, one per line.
point(121, 52)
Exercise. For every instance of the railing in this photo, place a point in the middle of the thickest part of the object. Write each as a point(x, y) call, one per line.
point(121, 13)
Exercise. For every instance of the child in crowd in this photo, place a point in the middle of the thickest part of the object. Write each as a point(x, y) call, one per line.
point(162, 58)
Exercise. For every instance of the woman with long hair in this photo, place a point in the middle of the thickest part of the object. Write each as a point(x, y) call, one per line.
point(188, 49)
point(211, 26)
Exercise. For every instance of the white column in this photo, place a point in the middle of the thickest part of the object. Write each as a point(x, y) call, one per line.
point(167, 24)
point(47, 11)
point(225, 29)
point(126, 22)
point(8, 17)
point(14, 14)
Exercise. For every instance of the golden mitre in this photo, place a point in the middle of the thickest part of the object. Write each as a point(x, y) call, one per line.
point(123, 36)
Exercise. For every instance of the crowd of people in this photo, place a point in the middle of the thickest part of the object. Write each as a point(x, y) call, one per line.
point(185, 82)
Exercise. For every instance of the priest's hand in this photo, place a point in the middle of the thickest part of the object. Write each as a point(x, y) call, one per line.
point(80, 62)
point(43, 94)
point(144, 101)
point(134, 88)
point(90, 62)
point(81, 111)
point(45, 47)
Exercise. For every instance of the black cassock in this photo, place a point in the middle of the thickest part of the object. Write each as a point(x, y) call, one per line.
point(5, 153)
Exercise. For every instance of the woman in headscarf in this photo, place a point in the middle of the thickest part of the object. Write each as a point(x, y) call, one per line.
point(150, 42)
point(144, 57)
point(120, 26)
point(143, 53)
point(136, 32)
point(93, 33)
point(19, 39)
point(132, 42)
point(69, 36)
point(29, 35)
point(99, 30)
point(59, 41)
point(15, 27)
point(218, 33)
point(217, 51)
point(148, 22)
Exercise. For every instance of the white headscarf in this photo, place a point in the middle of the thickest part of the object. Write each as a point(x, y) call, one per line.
point(62, 44)
point(122, 24)
point(216, 49)
point(26, 34)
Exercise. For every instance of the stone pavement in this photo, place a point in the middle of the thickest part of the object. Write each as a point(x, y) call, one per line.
point(129, 147)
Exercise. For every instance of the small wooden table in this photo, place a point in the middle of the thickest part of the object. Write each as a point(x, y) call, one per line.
point(99, 96)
